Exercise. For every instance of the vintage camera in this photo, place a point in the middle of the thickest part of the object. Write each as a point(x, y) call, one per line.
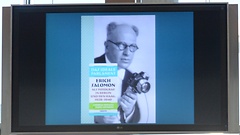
point(139, 82)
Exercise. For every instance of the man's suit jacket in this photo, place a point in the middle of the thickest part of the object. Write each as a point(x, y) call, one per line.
point(136, 116)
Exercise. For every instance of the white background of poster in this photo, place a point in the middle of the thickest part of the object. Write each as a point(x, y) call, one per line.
point(144, 58)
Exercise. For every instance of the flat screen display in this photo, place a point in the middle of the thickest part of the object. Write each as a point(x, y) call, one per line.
point(119, 68)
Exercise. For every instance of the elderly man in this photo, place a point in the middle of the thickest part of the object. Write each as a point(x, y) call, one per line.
point(120, 47)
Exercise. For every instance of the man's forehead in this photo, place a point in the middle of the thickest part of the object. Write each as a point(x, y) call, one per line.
point(123, 28)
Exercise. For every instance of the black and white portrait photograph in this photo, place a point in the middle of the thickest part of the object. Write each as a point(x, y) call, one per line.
point(129, 42)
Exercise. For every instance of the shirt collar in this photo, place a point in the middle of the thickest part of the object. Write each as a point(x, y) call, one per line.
point(121, 72)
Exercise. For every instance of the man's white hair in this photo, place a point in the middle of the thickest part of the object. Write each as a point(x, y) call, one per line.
point(113, 25)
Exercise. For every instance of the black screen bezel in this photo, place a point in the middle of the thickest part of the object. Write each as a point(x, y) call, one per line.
point(23, 30)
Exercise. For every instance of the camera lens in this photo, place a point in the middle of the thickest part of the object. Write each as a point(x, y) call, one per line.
point(145, 87)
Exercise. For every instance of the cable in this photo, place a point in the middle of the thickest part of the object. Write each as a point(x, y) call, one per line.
point(147, 108)
point(28, 2)
point(138, 1)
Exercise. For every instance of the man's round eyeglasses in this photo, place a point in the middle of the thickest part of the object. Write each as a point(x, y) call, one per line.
point(122, 46)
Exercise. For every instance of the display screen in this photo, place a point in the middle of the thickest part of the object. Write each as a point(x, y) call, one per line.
point(123, 68)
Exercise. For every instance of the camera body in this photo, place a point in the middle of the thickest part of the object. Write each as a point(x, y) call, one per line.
point(139, 82)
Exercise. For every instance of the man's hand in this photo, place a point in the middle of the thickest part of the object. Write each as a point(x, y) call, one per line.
point(128, 101)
